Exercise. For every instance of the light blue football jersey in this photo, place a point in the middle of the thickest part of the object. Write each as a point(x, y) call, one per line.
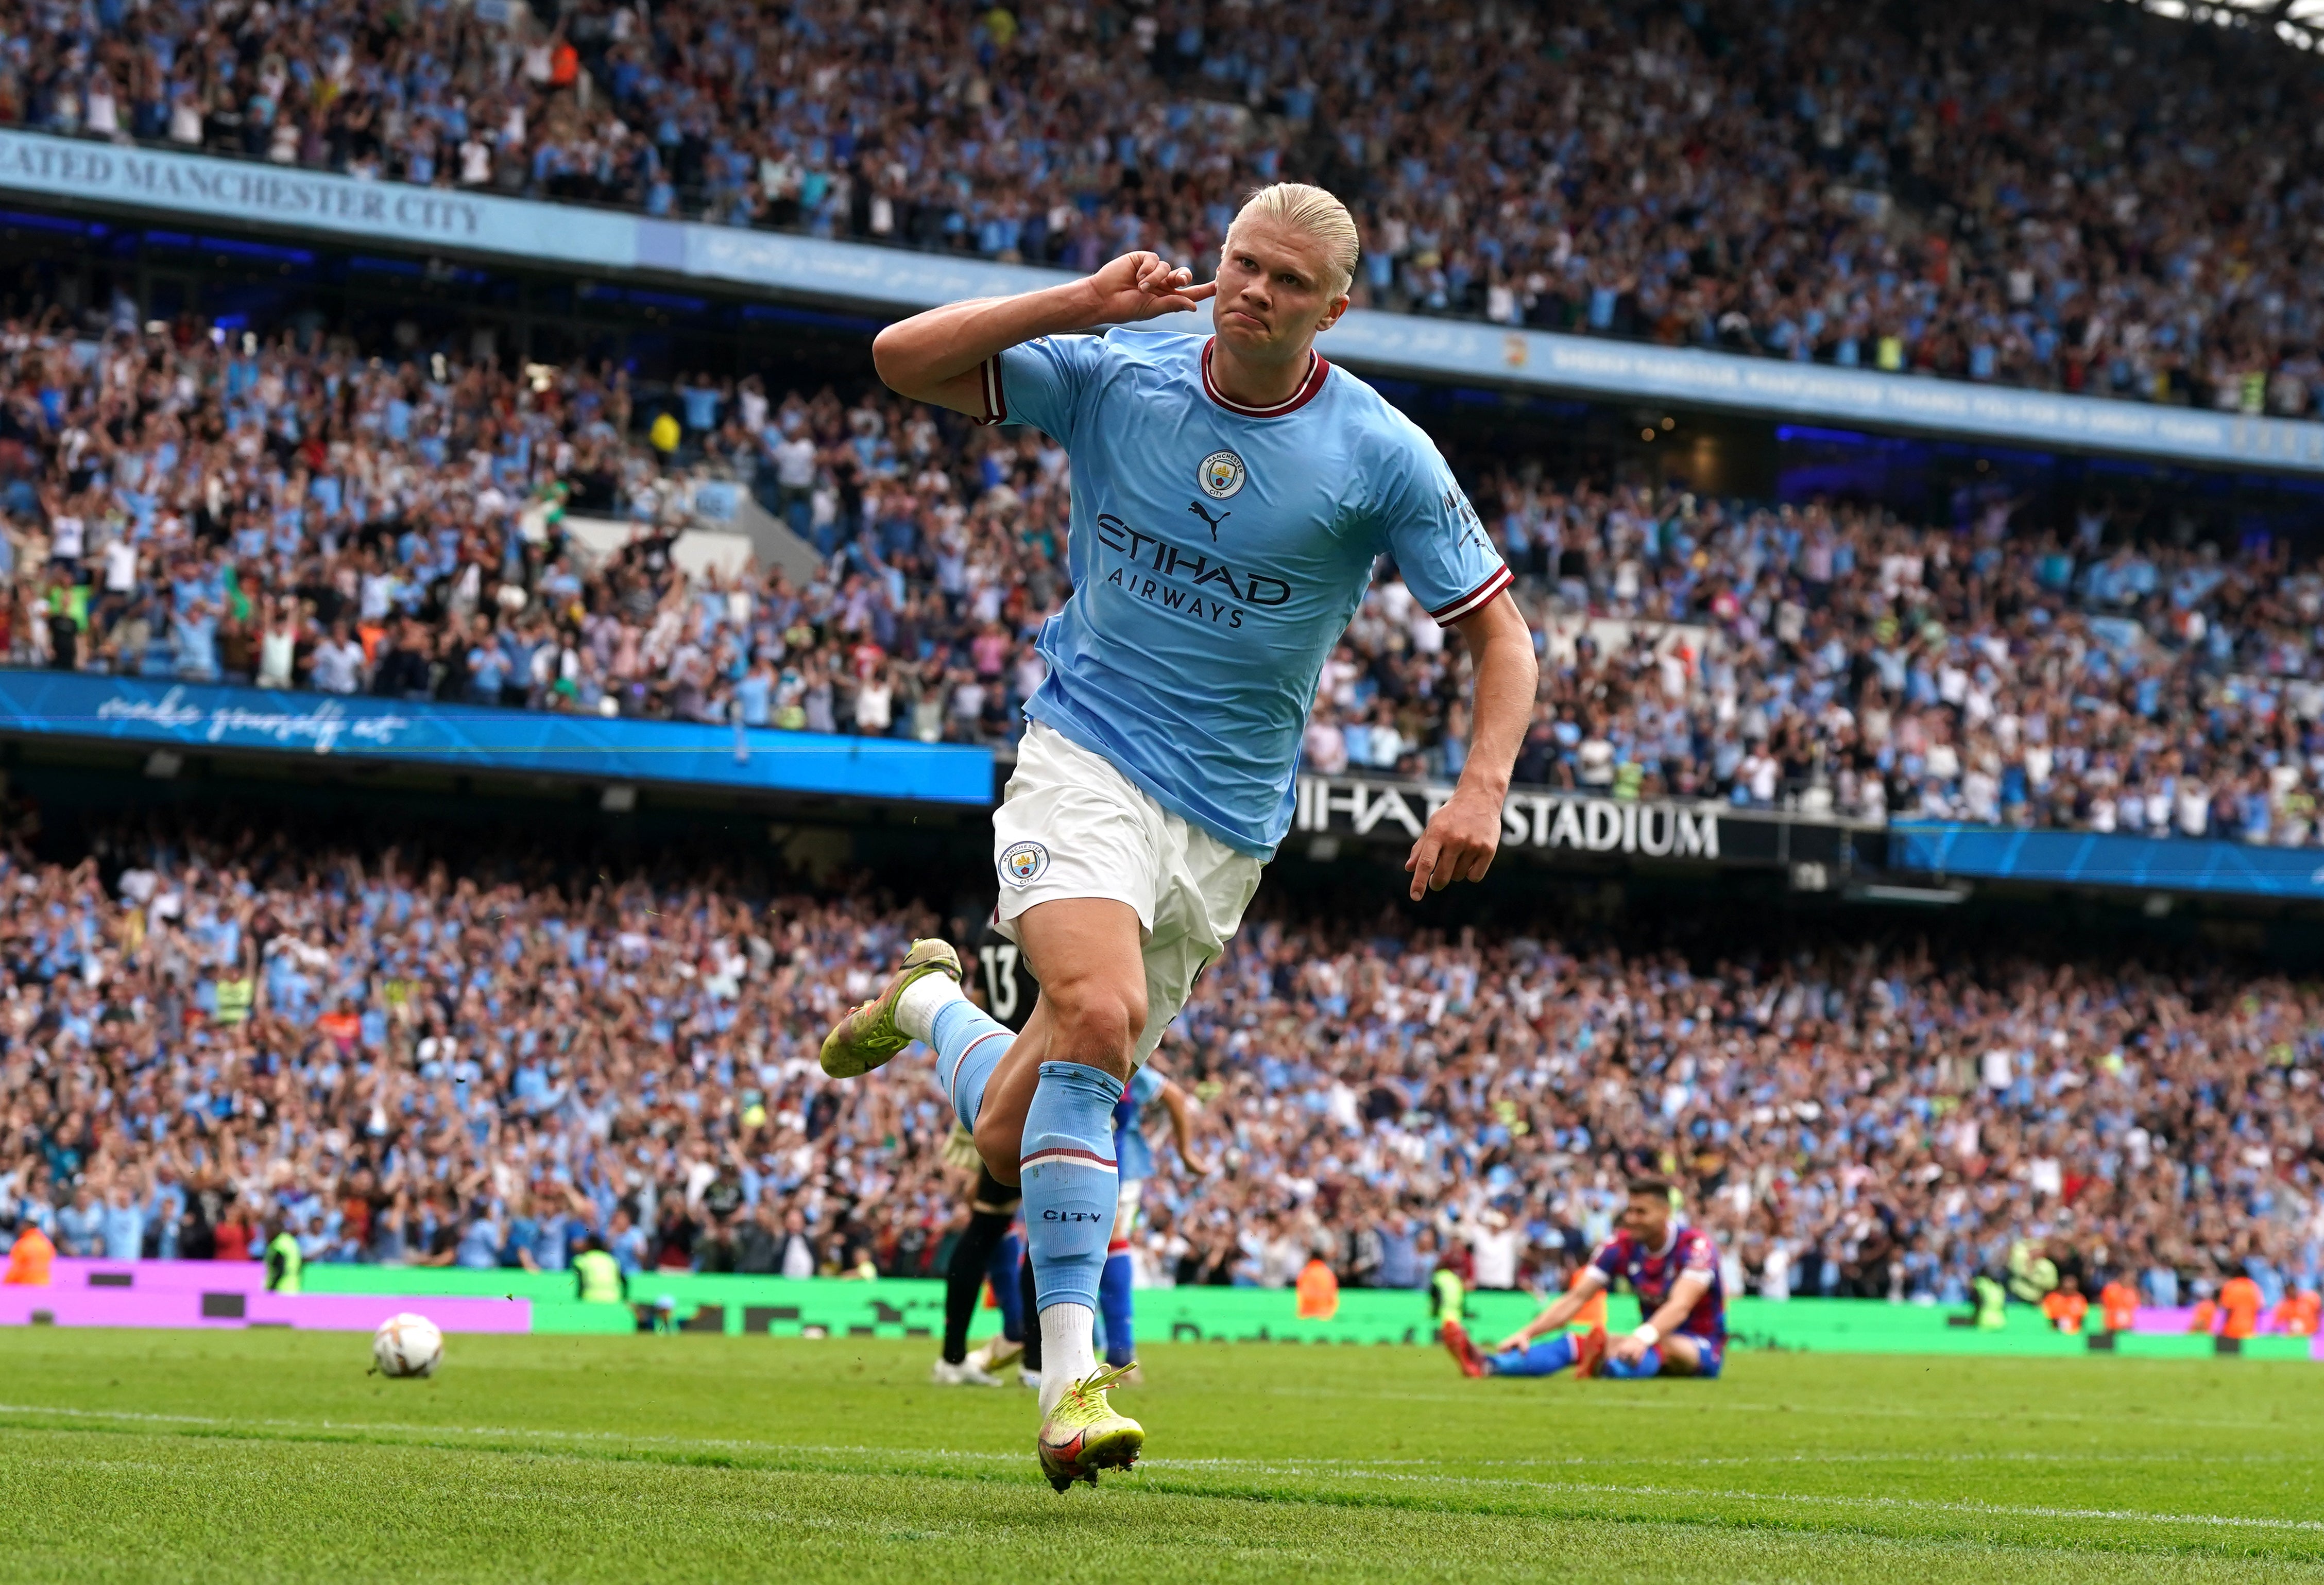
point(1133, 1155)
point(1217, 554)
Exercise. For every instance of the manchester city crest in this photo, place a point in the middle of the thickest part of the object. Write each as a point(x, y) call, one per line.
point(1023, 862)
point(1220, 474)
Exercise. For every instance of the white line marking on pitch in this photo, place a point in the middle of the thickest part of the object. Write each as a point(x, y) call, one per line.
point(1253, 1466)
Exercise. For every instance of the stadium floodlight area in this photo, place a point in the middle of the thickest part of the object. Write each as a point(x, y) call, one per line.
point(2297, 23)
point(274, 198)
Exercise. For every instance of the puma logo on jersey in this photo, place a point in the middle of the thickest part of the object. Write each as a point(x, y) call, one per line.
point(1197, 509)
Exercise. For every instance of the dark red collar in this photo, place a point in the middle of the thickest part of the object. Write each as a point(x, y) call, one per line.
point(1317, 369)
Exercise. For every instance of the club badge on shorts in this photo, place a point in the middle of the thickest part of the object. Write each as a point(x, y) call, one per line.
point(1024, 862)
point(1220, 474)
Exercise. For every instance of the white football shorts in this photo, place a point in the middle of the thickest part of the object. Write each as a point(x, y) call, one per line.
point(1072, 825)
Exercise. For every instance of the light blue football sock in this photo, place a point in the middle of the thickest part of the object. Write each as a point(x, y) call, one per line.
point(1069, 1179)
point(1650, 1363)
point(1113, 1307)
point(970, 1044)
point(1545, 1358)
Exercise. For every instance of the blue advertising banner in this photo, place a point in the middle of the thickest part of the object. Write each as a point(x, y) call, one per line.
point(255, 194)
point(2087, 858)
point(188, 716)
point(276, 197)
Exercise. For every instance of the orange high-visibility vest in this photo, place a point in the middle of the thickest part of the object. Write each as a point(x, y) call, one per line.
point(1319, 1292)
point(2240, 1297)
point(29, 1259)
point(2065, 1307)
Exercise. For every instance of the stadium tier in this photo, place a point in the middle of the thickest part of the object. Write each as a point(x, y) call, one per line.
point(381, 557)
point(466, 1061)
point(338, 530)
point(1697, 205)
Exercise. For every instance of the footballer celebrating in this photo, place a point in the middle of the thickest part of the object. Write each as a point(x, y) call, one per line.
point(1230, 495)
point(1672, 1269)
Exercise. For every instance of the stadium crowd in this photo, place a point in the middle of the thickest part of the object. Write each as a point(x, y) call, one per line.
point(209, 1038)
point(1812, 181)
point(196, 506)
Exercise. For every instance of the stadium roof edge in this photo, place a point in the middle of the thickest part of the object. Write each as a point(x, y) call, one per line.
point(266, 197)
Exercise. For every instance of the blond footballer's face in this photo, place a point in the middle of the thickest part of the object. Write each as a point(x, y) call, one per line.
point(1273, 295)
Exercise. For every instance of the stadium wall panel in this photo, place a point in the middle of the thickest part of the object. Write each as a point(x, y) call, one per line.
point(188, 1293)
point(898, 1307)
point(196, 717)
point(44, 167)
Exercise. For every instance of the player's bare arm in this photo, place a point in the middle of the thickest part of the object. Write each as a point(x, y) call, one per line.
point(1462, 838)
point(1183, 1108)
point(1686, 1293)
point(934, 358)
point(1568, 1305)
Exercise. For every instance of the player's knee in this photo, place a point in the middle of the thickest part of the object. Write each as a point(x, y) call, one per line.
point(1097, 1023)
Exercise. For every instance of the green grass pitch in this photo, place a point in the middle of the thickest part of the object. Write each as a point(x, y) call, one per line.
point(271, 1455)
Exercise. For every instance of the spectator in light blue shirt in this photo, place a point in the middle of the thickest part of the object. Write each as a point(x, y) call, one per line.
point(1400, 1266)
point(80, 1225)
point(523, 1235)
point(553, 1237)
point(488, 669)
point(166, 1209)
point(755, 693)
point(700, 399)
point(480, 1240)
point(194, 629)
point(627, 1241)
point(123, 1231)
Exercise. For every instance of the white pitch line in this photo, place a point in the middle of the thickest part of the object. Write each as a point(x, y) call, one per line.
point(515, 1431)
point(1929, 1505)
point(1612, 1403)
point(1252, 1466)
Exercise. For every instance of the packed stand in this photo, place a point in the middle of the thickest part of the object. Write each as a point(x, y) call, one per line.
point(206, 1042)
point(205, 508)
point(2068, 195)
point(1836, 659)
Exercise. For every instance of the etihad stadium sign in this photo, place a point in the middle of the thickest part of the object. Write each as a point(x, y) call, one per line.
point(1560, 823)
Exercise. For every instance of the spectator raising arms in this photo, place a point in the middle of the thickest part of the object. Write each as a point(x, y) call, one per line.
point(2062, 194)
point(295, 516)
point(481, 1072)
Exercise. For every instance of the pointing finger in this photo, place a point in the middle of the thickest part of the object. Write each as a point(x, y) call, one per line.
point(1423, 865)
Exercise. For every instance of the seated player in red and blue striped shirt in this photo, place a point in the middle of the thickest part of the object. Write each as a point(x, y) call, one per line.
point(1672, 1269)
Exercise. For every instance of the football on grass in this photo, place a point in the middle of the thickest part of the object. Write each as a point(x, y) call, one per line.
point(407, 1345)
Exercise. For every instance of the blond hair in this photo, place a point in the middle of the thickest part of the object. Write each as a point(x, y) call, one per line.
point(1313, 212)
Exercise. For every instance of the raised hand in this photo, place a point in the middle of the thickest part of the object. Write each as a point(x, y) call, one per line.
point(1142, 286)
point(1458, 844)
